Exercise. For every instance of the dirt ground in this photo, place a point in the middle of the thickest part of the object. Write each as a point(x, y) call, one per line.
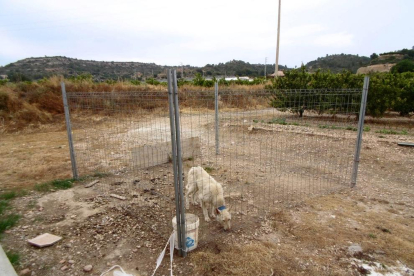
point(311, 235)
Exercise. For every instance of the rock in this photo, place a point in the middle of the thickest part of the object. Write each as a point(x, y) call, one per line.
point(87, 268)
point(71, 261)
point(45, 240)
point(64, 268)
point(25, 272)
point(354, 248)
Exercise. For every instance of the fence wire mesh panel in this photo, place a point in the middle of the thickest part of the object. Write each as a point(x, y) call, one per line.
point(123, 139)
point(267, 148)
point(275, 147)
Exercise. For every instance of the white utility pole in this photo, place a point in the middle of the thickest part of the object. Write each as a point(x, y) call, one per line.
point(277, 45)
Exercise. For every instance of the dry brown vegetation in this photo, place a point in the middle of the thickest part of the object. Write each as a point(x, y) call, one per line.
point(34, 104)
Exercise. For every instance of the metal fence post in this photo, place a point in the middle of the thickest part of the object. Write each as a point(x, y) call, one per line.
point(69, 130)
point(180, 166)
point(217, 116)
point(360, 131)
point(174, 157)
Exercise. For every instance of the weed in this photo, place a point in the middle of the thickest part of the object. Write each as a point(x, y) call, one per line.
point(329, 127)
point(255, 121)
point(8, 195)
point(14, 257)
point(8, 221)
point(12, 194)
point(63, 184)
point(351, 128)
point(208, 169)
point(279, 121)
point(372, 236)
point(4, 205)
point(367, 129)
point(60, 184)
point(392, 132)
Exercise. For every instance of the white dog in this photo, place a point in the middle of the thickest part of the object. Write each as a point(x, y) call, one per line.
point(210, 195)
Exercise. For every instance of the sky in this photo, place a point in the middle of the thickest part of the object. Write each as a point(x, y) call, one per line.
point(202, 32)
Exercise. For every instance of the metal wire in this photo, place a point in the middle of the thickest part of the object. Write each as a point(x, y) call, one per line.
point(275, 147)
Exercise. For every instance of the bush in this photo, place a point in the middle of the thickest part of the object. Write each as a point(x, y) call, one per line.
point(403, 66)
point(152, 81)
point(4, 100)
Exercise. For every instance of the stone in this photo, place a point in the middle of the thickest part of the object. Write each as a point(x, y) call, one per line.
point(44, 240)
point(354, 248)
point(71, 261)
point(87, 268)
point(25, 272)
point(64, 268)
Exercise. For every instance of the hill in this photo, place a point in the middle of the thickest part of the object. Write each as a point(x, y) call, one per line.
point(40, 67)
point(397, 61)
point(338, 63)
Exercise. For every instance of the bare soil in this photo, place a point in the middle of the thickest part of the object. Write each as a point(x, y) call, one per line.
point(295, 225)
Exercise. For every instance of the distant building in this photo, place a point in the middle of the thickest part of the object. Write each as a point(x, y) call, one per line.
point(279, 74)
point(3, 77)
point(236, 78)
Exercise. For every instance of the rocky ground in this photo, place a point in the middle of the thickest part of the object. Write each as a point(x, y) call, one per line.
point(367, 229)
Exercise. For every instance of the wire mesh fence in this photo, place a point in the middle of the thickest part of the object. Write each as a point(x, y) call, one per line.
point(275, 147)
point(267, 148)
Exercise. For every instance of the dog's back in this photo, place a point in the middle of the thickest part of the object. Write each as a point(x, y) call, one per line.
point(203, 182)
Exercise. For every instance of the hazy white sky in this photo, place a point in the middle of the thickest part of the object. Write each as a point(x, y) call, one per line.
point(197, 33)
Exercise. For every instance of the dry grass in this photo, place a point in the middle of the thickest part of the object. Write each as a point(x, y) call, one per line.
point(35, 104)
point(33, 158)
point(314, 240)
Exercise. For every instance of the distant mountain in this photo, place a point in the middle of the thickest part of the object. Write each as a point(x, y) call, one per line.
point(402, 60)
point(37, 68)
point(338, 63)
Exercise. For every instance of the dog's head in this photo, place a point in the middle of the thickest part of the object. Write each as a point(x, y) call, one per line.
point(224, 217)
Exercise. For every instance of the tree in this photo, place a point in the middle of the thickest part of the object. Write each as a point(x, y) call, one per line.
point(373, 56)
point(403, 66)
